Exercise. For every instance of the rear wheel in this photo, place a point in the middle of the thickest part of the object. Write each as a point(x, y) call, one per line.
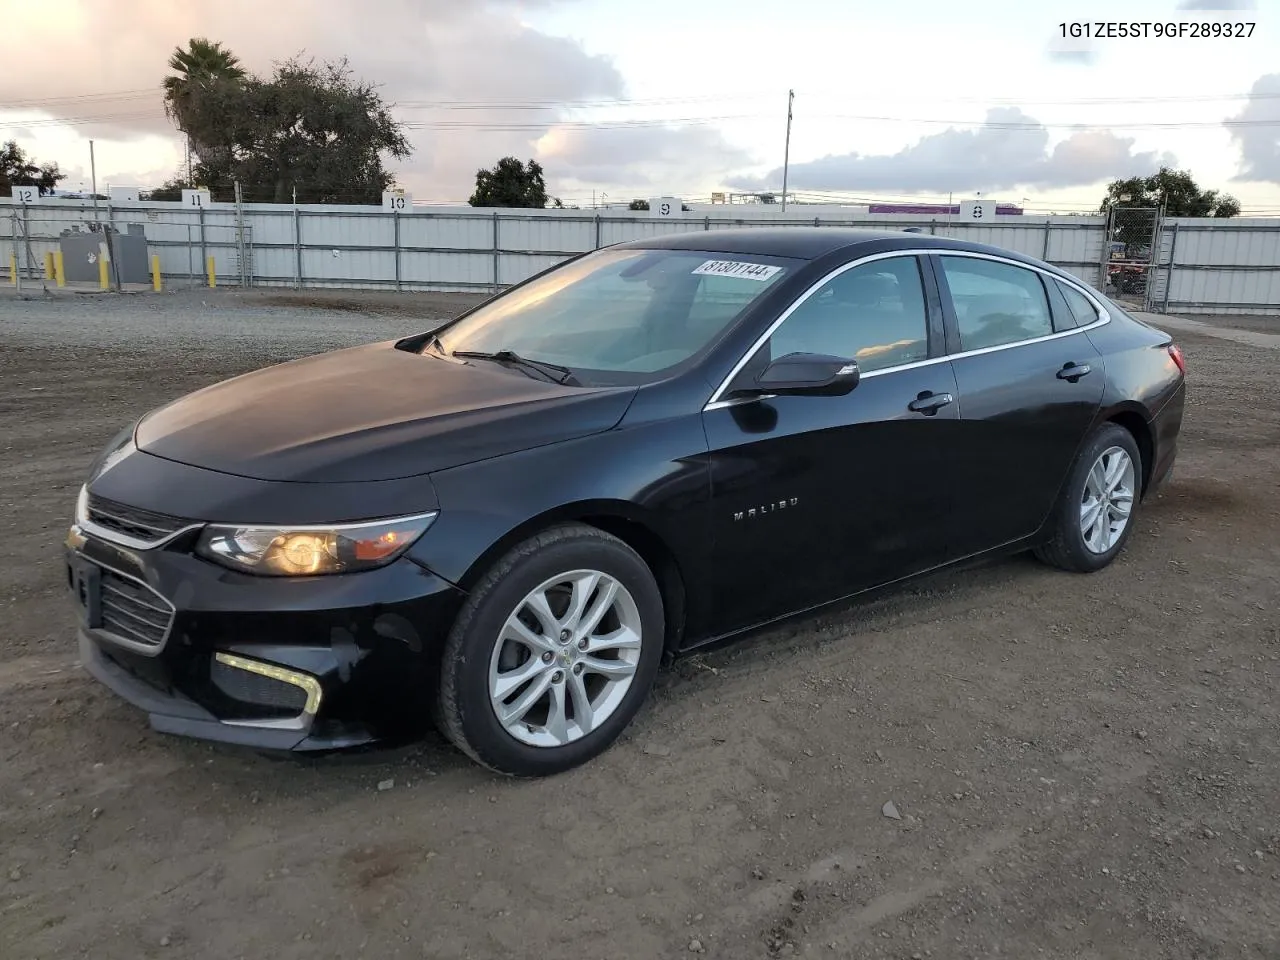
point(1094, 515)
point(553, 653)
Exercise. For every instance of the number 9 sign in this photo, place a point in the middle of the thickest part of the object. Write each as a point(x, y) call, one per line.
point(665, 207)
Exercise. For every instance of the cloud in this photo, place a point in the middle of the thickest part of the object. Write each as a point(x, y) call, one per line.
point(1218, 5)
point(1011, 149)
point(637, 156)
point(1077, 51)
point(515, 80)
point(1084, 57)
point(1259, 143)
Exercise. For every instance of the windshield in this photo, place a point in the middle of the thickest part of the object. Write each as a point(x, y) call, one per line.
point(619, 316)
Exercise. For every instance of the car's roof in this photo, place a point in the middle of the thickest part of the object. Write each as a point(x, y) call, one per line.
point(807, 243)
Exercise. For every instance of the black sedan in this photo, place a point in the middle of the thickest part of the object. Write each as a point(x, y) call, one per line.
point(507, 522)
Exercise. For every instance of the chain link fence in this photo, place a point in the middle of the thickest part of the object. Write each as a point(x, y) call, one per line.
point(1133, 238)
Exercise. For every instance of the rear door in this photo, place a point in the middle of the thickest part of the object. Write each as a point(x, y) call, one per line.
point(814, 498)
point(1031, 383)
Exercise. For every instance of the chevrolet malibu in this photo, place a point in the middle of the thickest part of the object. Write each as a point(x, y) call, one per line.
point(506, 523)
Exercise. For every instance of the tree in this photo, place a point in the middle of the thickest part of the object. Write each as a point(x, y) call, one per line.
point(510, 184)
point(200, 72)
point(311, 128)
point(644, 205)
point(767, 197)
point(18, 170)
point(170, 190)
point(1174, 190)
point(201, 62)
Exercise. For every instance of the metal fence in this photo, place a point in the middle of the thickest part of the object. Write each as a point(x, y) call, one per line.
point(1165, 265)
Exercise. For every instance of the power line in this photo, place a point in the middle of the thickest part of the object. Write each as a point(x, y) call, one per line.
point(536, 103)
point(1037, 125)
point(518, 125)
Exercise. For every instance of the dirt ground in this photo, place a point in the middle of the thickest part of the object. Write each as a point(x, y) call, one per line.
point(1084, 766)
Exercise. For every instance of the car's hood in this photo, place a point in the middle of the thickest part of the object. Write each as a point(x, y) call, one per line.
point(371, 413)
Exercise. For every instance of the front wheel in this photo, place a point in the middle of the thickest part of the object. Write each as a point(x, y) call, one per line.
point(1094, 516)
point(553, 654)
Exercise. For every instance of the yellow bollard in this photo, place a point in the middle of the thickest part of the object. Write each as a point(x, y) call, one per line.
point(13, 269)
point(155, 272)
point(59, 272)
point(213, 276)
point(102, 274)
point(48, 266)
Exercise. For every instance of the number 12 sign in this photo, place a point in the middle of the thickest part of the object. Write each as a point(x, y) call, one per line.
point(26, 194)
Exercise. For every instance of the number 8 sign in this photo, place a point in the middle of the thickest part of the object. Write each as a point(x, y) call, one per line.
point(978, 210)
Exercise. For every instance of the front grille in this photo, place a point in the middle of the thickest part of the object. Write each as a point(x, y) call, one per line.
point(146, 525)
point(134, 612)
point(253, 688)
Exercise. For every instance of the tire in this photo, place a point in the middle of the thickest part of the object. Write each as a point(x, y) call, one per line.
point(1068, 546)
point(499, 637)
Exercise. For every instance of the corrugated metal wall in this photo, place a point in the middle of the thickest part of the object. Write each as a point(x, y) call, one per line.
point(1206, 266)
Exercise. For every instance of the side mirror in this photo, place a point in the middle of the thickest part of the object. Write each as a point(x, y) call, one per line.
point(804, 375)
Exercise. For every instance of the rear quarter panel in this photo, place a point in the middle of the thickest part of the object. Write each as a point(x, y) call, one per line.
point(1140, 374)
point(1142, 379)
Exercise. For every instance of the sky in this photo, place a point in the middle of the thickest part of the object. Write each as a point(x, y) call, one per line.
point(905, 100)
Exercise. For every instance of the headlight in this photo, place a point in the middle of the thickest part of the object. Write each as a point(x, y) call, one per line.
point(304, 551)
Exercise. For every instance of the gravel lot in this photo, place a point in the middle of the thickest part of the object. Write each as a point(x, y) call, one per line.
point(1084, 766)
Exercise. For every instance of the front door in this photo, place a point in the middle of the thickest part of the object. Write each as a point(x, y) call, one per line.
point(815, 498)
point(1031, 384)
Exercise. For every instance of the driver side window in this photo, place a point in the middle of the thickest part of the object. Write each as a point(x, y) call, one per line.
point(873, 313)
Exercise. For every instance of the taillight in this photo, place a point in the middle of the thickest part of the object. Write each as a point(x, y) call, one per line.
point(1175, 351)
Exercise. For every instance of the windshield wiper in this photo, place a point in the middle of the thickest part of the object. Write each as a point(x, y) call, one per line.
point(552, 371)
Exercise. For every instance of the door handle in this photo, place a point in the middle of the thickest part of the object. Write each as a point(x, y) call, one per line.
point(1074, 371)
point(930, 403)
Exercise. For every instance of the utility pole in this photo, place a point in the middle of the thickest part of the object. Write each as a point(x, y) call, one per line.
point(93, 175)
point(786, 154)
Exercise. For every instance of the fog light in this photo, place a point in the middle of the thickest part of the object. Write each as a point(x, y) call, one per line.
point(305, 681)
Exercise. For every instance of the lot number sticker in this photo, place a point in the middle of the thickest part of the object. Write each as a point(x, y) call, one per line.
point(736, 268)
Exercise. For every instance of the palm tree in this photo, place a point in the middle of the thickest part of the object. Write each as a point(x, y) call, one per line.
point(202, 62)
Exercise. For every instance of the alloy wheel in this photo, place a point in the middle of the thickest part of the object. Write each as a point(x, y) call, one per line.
point(565, 658)
point(1108, 500)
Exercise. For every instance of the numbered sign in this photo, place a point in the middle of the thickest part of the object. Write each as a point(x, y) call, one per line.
point(196, 199)
point(978, 211)
point(397, 200)
point(665, 207)
point(124, 194)
point(26, 194)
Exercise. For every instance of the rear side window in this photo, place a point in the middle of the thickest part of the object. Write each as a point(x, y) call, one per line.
point(996, 303)
point(1081, 308)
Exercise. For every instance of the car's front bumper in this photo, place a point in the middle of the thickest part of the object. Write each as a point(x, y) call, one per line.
point(318, 663)
point(173, 712)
